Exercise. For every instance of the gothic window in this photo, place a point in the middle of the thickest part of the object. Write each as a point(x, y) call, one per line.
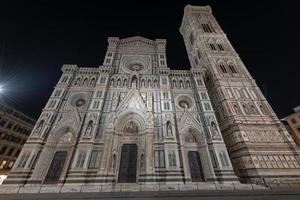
point(253, 109)
point(107, 60)
point(169, 129)
point(232, 69)
point(95, 159)
point(164, 81)
point(149, 83)
point(93, 81)
point(89, 128)
point(134, 82)
point(165, 95)
point(213, 158)
point(172, 159)
point(191, 38)
point(52, 104)
point(64, 79)
point(188, 85)
point(155, 83)
point(143, 83)
point(80, 159)
point(199, 82)
point(85, 81)
point(204, 95)
point(207, 28)
point(207, 106)
point(246, 109)
point(119, 82)
point(166, 106)
point(162, 62)
point(57, 93)
point(24, 158)
point(223, 68)
point(161, 56)
point(174, 83)
point(263, 109)
point(112, 83)
point(224, 159)
point(237, 109)
point(181, 84)
point(220, 46)
point(125, 83)
point(212, 46)
point(159, 158)
point(109, 54)
point(78, 81)
point(40, 126)
point(3, 163)
point(131, 128)
point(99, 94)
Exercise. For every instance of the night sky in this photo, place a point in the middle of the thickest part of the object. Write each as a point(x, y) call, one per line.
point(38, 37)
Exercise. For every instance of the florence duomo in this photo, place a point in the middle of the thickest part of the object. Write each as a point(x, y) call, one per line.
point(134, 120)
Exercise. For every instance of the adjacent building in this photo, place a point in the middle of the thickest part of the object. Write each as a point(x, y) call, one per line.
point(292, 123)
point(135, 119)
point(15, 128)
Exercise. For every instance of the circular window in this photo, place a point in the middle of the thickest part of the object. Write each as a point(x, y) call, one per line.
point(79, 102)
point(185, 102)
point(135, 66)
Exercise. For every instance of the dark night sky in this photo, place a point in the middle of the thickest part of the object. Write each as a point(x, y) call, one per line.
point(38, 37)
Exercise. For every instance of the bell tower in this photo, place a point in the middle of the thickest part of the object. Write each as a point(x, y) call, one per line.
point(259, 146)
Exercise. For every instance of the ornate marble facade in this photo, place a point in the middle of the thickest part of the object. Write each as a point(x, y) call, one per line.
point(133, 119)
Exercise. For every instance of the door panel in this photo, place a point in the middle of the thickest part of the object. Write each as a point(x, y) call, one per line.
point(195, 166)
point(127, 170)
point(56, 167)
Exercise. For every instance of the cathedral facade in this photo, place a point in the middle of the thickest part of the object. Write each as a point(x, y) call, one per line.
point(136, 120)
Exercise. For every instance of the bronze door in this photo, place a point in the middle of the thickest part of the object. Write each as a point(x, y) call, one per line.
point(56, 167)
point(127, 170)
point(195, 166)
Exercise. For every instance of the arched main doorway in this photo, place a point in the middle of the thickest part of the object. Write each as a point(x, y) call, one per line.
point(56, 167)
point(128, 163)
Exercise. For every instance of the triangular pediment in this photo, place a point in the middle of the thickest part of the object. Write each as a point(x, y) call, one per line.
point(70, 119)
point(137, 41)
point(188, 119)
point(132, 100)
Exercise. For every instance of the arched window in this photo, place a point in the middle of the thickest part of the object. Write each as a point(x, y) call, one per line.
point(78, 81)
point(174, 83)
point(155, 83)
point(93, 81)
point(223, 68)
point(125, 83)
point(85, 81)
point(149, 83)
point(39, 126)
point(232, 68)
point(119, 82)
point(112, 83)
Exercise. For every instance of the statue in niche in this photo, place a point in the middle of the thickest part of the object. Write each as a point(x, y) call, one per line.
point(142, 161)
point(184, 104)
point(134, 82)
point(131, 128)
point(113, 163)
point(169, 129)
point(214, 128)
point(67, 137)
point(89, 129)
